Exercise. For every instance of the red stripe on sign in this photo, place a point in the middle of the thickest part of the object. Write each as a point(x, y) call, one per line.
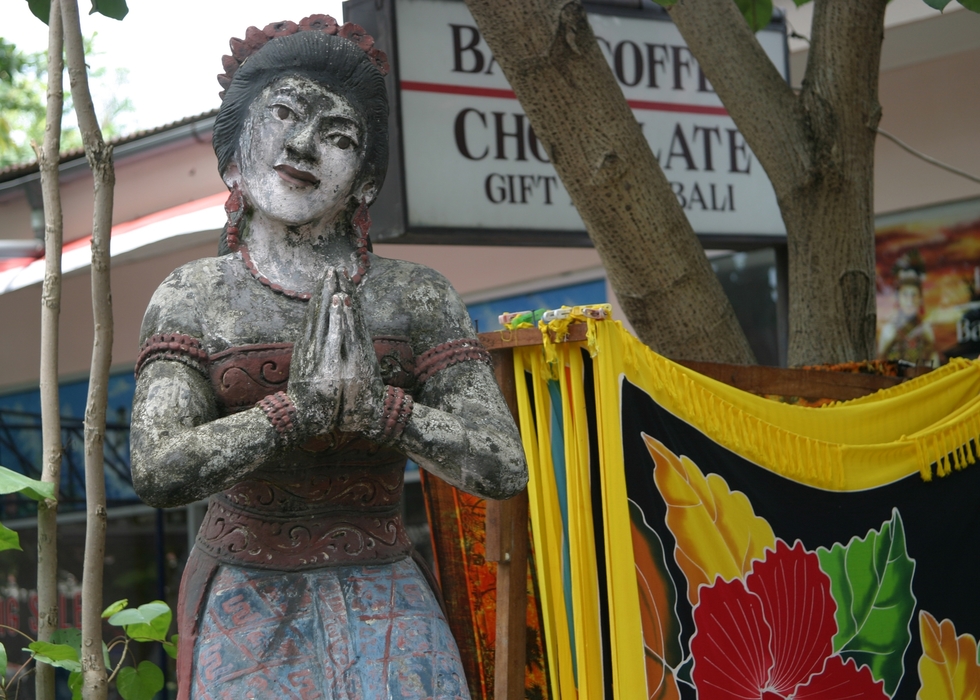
point(673, 107)
point(442, 88)
point(457, 89)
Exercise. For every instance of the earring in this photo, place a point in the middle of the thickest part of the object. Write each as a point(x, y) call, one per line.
point(235, 208)
point(362, 221)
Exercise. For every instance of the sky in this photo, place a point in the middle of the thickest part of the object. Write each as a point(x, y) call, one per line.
point(172, 49)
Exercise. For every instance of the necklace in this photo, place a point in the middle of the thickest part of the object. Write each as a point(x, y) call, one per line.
point(359, 257)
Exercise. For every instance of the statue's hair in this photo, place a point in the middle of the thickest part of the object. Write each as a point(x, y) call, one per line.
point(339, 64)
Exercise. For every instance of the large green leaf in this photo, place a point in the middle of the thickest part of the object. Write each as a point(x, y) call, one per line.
point(15, 482)
point(72, 636)
point(937, 4)
point(871, 581)
point(149, 622)
point(140, 683)
point(59, 655)
point(756, 12)
point(3, 661)
point(972, 5)
point(8, 538)
point(110, 8)
point(40, 9)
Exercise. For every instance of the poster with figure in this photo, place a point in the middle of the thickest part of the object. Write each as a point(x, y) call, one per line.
point(696, 541)
point(928, 283)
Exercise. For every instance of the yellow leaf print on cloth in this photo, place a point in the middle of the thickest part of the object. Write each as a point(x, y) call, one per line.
point(948, 668)
point(717, 532)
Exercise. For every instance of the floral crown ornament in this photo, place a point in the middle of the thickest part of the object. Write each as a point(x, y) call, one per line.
point(256, 38)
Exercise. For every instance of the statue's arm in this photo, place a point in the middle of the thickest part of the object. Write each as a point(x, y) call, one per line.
point(181, 451)
point(460, 428)
point(462, 431)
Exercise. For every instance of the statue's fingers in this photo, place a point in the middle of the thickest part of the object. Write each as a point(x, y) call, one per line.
point(337, 332)
point(345, 284)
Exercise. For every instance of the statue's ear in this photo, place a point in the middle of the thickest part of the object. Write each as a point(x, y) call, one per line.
point(367, 192)
point(232, 175)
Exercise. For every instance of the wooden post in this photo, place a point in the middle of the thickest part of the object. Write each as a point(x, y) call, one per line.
point(506, 544)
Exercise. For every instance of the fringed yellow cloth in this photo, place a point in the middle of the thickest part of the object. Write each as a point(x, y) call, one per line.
point(693, 536)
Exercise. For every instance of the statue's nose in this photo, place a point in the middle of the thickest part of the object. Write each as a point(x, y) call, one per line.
point(302, 142)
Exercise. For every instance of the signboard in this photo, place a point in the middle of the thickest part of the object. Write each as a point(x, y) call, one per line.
point(470, 169)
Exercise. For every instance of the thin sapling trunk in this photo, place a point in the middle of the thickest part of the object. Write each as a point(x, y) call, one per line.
point(99, 156)
point(48, 157)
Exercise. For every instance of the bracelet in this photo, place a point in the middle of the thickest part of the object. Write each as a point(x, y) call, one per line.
point(397, 410)
point(279, 409)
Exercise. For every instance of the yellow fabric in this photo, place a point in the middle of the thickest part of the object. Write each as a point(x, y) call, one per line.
point(546, 518)
point(848, 446)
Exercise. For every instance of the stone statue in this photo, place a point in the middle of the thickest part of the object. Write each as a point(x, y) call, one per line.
point(288, 379)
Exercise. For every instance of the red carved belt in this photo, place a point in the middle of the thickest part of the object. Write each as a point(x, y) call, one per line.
point(335, 538)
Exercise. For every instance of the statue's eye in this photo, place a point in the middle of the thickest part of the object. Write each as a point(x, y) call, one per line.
point(283, 112)
point(344, 142)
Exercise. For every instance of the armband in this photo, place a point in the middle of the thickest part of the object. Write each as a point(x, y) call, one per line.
point(448, 354)
point(280, 411)
point(397, 410)
point(172, 346)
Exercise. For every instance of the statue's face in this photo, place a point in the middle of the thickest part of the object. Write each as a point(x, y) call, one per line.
point(301, 151)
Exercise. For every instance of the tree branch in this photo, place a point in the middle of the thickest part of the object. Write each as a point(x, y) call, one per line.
point(655, 263)
point(756, 96)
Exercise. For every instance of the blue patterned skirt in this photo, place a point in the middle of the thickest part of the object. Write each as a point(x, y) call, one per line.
point(346, 632)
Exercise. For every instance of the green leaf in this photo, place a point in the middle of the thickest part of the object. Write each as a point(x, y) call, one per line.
point(58, 655)
point(71, 636)
point(118, 606)
point(937, 4)
point(871, 581)
point(75, 683)
point(14, 482)
point(756, 12)
point(116, 9)
point(40, 9)
point(801, 3)
point(665, 3)
point(172, 646)
point(3, 661)
point(8, 538)
point(972, 5)
point(140, 683)
point(147, 623)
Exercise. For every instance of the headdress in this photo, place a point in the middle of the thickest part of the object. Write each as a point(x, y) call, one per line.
point(256, 38)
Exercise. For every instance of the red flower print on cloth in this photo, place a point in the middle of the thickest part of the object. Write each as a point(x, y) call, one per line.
point(771, 636)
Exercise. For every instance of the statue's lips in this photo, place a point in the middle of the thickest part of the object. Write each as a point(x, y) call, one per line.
point(296, 177)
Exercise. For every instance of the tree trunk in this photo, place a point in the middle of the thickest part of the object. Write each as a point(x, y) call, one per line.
point(99, 156)
point(818, 150)
point(655, 263)
point(48, 157)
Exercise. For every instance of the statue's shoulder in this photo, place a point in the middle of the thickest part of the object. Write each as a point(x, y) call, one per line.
point(177, 304)
point(420, 282)
point(426, 297)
